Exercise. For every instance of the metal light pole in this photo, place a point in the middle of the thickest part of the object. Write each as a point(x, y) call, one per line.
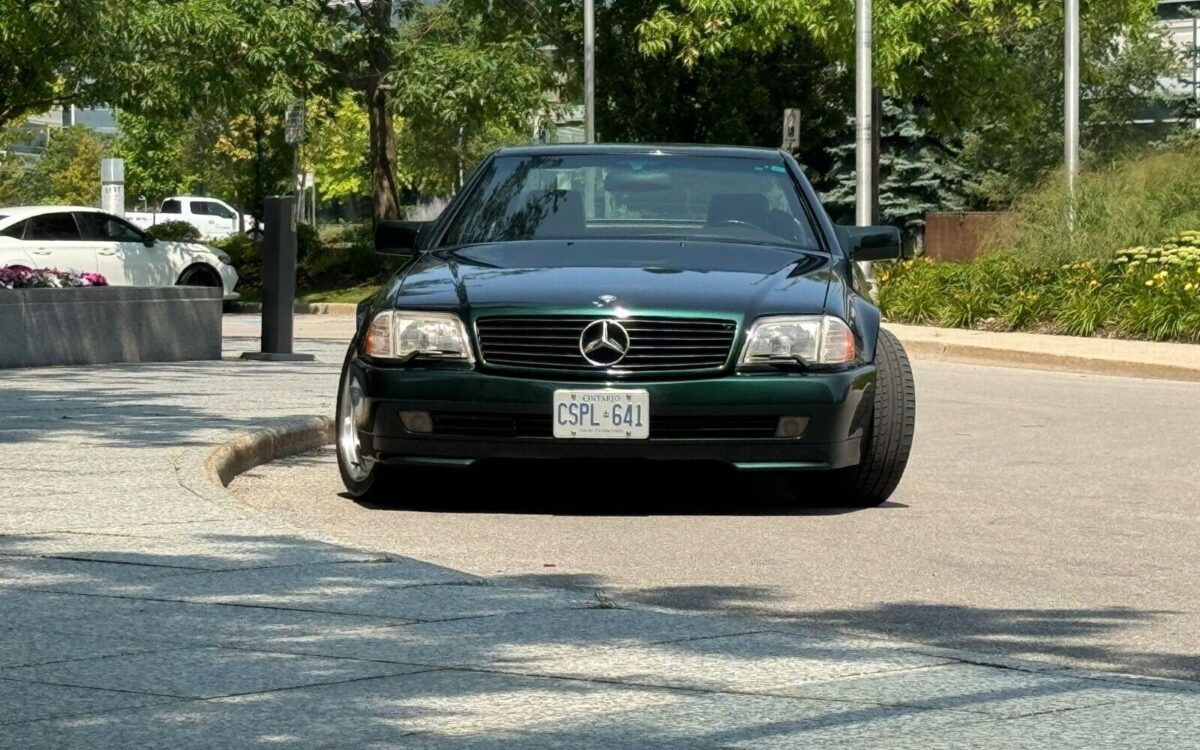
point(589, 70)
point(864, 114)
point(1071, 125)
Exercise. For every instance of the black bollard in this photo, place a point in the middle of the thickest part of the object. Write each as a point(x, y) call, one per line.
point(278, 283)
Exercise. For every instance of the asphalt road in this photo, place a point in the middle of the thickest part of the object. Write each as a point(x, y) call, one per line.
point(1044, 515)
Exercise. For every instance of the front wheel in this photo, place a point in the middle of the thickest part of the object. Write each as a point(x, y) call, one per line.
point(363, 476)
point(199, 275)
point(888, 441)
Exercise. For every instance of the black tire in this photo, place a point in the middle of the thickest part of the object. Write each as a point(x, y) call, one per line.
point(888, 441)
point(199, 275)
point(366, 480)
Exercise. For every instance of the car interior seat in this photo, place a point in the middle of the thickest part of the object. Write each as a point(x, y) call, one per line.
point(555, 214)
point(748, 208)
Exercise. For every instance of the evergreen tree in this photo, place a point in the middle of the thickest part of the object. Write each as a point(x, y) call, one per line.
point(919, 172)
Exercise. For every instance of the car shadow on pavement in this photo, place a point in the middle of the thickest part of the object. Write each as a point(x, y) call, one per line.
point(1078, 637)
point(273, 640)
point(1060, 635)
point(606, 488)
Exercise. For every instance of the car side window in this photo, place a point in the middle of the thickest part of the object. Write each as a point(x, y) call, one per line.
point(107, 228)
point(216, 209)
point(57, 227)
point(16, 231)
point(170, 207)
point(199, 208)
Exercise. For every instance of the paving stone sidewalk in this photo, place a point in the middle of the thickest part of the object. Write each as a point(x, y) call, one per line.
point(142, 607)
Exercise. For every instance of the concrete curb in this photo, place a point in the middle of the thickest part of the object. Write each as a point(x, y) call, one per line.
point(302, 308)
point(256, 448)
point(1114, 357)
point(982, 355)
point(206, 471)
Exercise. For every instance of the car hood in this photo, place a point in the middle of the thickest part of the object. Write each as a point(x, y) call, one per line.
point(641, 276)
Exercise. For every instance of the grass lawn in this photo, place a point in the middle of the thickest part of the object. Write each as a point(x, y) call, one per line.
point(352, 295)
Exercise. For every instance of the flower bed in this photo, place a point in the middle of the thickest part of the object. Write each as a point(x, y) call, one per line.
point(1142, 293)
point(19, 277)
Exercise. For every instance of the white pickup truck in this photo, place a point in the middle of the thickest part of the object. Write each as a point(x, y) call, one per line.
point(212, 217)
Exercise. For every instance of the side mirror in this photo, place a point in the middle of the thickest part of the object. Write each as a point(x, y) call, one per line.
point(397, 237)
point(148, 240)
point(870, 243)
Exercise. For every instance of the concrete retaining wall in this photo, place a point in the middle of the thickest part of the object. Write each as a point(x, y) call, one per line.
point(98, 325)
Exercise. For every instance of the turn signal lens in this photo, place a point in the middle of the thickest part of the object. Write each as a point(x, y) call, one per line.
point(837, 345)
point(379, 337)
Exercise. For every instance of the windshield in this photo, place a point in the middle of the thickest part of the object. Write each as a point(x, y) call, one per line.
point(623, 196)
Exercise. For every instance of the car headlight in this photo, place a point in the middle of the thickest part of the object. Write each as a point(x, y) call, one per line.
point(402, 335)
point(806, 339)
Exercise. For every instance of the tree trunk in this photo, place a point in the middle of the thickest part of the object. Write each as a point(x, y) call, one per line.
point(378, 17)
point(384, 190)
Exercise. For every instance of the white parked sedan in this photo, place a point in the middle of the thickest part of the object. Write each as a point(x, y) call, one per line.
point(91, 241)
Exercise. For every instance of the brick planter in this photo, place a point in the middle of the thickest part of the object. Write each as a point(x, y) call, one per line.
point(98, 325)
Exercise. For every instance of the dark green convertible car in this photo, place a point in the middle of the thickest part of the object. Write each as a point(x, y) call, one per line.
point(680, 303)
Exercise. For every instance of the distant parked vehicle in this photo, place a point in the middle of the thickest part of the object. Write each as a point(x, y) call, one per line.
point(87, 240)
point(212, 217)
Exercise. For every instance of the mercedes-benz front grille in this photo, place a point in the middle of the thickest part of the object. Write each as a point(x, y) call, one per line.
point(650, 344)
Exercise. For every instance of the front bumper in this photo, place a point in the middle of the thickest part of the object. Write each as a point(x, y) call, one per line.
point(229, 280)
point(836, 405)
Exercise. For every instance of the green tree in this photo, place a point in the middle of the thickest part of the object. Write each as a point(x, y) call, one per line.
point(919, 171)
point(251, 58)
point(956, 57)
point(466, 88)
point(155, 157)
point(68, 173)
point(339, 149)
point(735, 98)
point(1122, 95)
point(240, 157)
point(45, 48)
point(12, 175)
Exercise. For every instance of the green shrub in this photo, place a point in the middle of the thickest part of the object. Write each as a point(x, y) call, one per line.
point(346, 257)
point(331, 258)
point(308, 241)
point(245, 254)
point(1145, 292)
point(175, 231)
point(1130, 203)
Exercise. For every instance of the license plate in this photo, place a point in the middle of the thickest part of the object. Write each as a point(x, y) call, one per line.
point(605, 415)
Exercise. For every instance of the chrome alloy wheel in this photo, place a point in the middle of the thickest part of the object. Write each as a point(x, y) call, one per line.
point(357, 466)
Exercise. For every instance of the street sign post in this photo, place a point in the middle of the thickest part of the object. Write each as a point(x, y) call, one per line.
point(791, 129)
point(294, 123)
point(295, 134)
point(589, 71)
point(864, 106)
point(112, 186)
point(1071, 99)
